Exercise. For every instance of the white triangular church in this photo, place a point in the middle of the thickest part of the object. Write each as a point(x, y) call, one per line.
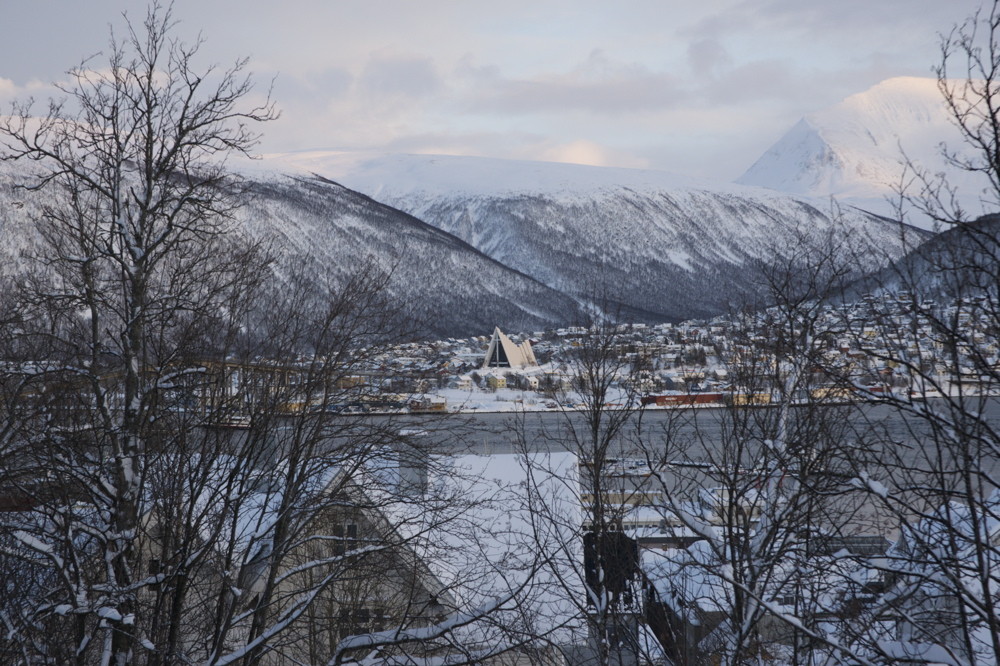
point(503, 353)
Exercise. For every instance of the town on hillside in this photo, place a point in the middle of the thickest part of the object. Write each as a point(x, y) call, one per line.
point(692, 363)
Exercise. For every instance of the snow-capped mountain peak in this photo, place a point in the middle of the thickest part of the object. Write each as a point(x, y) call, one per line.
point(855, 150)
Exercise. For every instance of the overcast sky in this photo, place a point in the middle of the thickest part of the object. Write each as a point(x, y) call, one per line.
point(700, 87)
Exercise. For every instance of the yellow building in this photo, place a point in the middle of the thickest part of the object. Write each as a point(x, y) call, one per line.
point(496, 381)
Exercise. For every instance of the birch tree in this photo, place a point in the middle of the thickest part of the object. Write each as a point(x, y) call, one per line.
point(592, 555)
point(136, 261)
point(181, 484)
point(935, 325)
point(754, 493)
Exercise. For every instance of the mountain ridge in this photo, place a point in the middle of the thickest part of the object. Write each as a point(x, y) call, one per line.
point(666, 245)
point(525, 246)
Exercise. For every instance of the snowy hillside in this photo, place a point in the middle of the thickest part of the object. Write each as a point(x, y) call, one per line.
point(957, 263)
point(854, 149)
point(474, 243)
point(658, 245)
point(449, 288)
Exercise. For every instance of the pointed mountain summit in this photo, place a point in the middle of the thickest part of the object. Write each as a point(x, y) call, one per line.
point(855, 150)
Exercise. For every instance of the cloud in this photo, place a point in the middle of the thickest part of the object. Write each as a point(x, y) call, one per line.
point(381, 99)
point(847, 23)
point(32, 90)
point(332, 81)
point(708, 56)
point(815, 18)
point(598, 85)
point(8, 90)
point(756, 81)
point(459, 143)
point(400, 76)
point(590, 153)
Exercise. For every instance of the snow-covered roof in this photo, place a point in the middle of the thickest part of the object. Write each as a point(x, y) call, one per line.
point(518, 508)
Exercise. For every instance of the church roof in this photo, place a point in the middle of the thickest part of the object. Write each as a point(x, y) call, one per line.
point(503, 353)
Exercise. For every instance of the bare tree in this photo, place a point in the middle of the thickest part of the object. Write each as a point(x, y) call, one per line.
point(931, 324)
point(593, 555)
point(180, 483)
point(137, 259)
point(755, 495)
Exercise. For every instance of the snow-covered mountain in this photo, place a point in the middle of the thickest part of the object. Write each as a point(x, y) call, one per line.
point(855, 149)
point(657, 245)
point(474, 243)
point(448, 287)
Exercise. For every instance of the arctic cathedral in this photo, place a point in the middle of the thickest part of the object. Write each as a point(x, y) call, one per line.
point(503, 353)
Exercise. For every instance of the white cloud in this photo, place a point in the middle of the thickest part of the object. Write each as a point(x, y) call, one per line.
point(707, 56)
point(629, 83)
point(587, 152)
point(598, 85)
point(8, 91)
point(399, 75)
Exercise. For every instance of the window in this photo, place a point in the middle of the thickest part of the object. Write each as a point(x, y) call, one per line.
point(343, 534)
point(338, 544)
point(154, 570)
point(353, 621)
